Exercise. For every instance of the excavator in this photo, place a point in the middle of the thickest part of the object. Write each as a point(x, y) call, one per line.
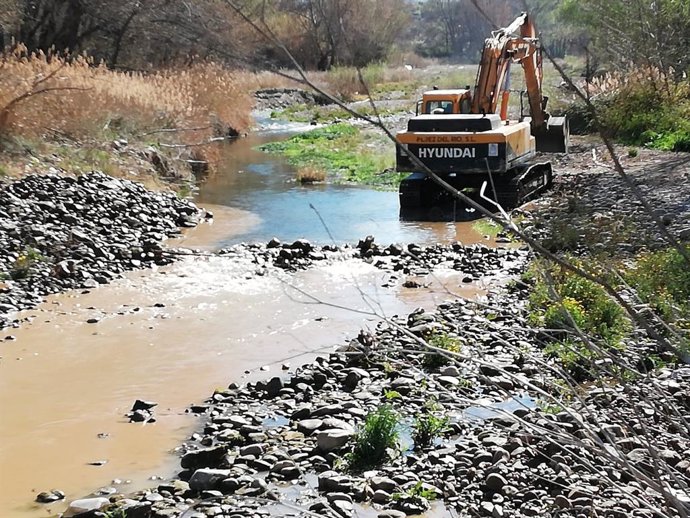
point(458, 135)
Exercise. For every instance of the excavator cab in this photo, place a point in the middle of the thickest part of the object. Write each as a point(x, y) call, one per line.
point(445, 102)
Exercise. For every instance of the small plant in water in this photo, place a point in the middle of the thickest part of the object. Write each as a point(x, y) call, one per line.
point(310, 174)
point(376, 439)
point(434, 360)
point(429, 425)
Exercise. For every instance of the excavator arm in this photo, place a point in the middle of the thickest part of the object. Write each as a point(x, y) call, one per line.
point(517, 43)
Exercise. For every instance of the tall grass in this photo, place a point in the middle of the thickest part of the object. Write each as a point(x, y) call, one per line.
point(77, 96)
point(44, 95)
point(375, 439)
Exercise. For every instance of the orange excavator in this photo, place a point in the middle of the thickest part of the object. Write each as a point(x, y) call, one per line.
point(459, 136)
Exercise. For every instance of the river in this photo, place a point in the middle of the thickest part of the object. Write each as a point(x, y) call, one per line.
point(172, 335)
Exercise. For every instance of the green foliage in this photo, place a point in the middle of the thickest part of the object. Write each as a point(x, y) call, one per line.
point(590, 307)
point(582, 303)
point(549, 408)
point(648, 114)
point(416, 491)
point(375, 439)
point(392, 394)
point(429, 425)
point(662, 280)
point(116, 513)
point(23, 265)
point(563, 315)
point(432, 360)
point(343, 151)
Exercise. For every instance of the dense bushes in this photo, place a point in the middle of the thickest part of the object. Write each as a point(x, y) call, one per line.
point(573, 303)
point(651, 114)
point(644, 112)
point(659, 279)
point(588, 305)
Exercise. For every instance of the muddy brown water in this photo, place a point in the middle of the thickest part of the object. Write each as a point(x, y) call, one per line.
point(172, 335)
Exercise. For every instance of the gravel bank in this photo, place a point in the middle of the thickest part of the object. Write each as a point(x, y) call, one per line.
point(590, 208)
point(60, 232)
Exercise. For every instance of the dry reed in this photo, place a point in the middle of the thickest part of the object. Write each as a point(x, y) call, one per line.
point(40, 93)
point(310, 174)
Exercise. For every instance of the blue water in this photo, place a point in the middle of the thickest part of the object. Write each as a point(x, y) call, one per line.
point(264, 184)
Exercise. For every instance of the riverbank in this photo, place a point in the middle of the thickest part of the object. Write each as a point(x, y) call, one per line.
point(500, 440)
point(62, 232)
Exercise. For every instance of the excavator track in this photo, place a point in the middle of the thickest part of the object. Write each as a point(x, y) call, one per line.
point(422, 198)
point(530, 181)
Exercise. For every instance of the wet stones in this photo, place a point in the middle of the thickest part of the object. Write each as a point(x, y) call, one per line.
point(333, 439)
point(142, 412)
point(60, 232)
point(47, 497)
point(205, 458)
point(208, 478)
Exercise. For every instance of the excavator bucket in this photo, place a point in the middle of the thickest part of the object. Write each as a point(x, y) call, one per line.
point(554, 137)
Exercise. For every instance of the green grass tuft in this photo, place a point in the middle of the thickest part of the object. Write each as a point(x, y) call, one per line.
point(375, 439)
point(432, 360)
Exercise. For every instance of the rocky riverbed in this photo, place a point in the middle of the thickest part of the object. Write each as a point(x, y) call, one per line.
point(281, 445)
point(60, 232)
point(512, 445)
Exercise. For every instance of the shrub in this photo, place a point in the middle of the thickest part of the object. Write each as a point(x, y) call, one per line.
point(651, 113)
point(563, 315)
point(662, 280)
point(310, 174)
point(432, 360)
point(24, 264)
point(428, 425)
point(375, 439)
point(590, 307)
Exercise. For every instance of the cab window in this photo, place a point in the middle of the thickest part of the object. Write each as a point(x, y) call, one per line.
point(439, 107)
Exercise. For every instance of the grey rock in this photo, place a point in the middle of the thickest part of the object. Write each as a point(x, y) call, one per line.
point(450, 370)
point(205, 458)
point(252, 449)
point(85, 505)
point(383, 483)
point(309, 426)
point(333, 439)
point(495, 482)
point(380, 497)
point(208, 478)
point(343, 508)
point(333, 497)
